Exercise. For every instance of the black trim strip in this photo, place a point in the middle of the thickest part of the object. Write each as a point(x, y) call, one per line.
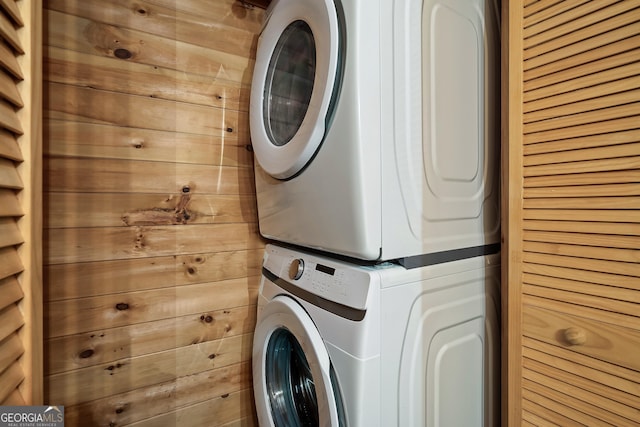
point(338, 309)
point(448, 256)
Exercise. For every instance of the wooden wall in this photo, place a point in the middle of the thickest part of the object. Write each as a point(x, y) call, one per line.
point(152, 255)
point(20, 203)
point(571, 289)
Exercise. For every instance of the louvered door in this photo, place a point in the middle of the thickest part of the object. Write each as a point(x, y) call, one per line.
point(20, 203)
point(571, 151)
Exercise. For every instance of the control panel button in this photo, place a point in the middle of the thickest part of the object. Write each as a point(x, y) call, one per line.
point(296, 268)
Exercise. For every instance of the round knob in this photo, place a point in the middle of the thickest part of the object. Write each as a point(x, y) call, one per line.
point(296, 269)
point(575, 336)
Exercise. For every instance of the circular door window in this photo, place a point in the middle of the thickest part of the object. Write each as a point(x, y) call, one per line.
point(290, 386)
point(289, 83)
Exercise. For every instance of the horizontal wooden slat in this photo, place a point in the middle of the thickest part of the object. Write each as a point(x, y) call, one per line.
point(595, 228)
point(9, 34)
point(11, 8)
point(585, 166)
point(593, 289)
point(117, 209)
point(9, 62)
point(545, 10)
point(538, 57)
point(110, 277)
point(9, 147)
point(9, 119)
point(601, 128)
point(113, 142)
point(577, 273)
point(9, 204)
point(10, 379)
point(602, 266)
point(9, 91)
point(572, 25)
point(598, 193)
point(568, 405)
point(630, 202)
point(9, 177)
point(214, 413)
point(102, 244)
point(10, 291)
point(596, 302)
point(15, 399)
point(110, 311)
point(555, 413)
point(575, 250)
point(608, 375)
point(585, 117)
point(135, 405)
point(108, 345)
point(102, 39)
point(585, 239)
point(11, 262)
point(587, 215)
point(10, 321)
point(10, 350)
point(597, 147)
point(82, 69)
point(531, 416)
point(134, 176)
point(9, 233)
point(593, 183)
point(81, 385)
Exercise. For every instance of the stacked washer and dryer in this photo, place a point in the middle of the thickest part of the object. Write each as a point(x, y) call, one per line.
point(375, 127)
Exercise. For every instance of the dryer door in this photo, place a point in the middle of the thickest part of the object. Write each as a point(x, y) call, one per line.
point(293, 380)
point(295, 83)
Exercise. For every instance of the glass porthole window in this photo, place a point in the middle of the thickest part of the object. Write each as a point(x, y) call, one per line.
point(289, 83)
point(290, 385)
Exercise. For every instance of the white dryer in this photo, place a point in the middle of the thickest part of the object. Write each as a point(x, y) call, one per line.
point(375, 127)
point(363, 346)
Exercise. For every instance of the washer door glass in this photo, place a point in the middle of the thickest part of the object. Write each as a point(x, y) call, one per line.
point(296, 82)
point(290, 386)
point(289, 83)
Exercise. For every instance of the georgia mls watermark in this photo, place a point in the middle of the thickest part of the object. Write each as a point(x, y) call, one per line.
point(31, 416)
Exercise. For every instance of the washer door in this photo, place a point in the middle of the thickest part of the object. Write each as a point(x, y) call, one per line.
point(294, 384)
point(295, 82)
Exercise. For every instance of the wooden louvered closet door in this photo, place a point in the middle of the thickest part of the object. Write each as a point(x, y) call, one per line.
point(20, 203)
point(571, 197)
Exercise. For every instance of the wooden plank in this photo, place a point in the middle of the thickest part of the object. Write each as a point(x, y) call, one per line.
point(601, 128)
point(109, 345)
point(590, 18)
point(585, 117)
point(137, 404)
point(596, 302)
point(610, 191)
point(11, 263)
point(585, 166)
point(216, 412)
point(9, 233)
point(10, 291)
point(545, 10)
point(576, 250)
point(76, 139)
point(9, 119)
point(587, 215)
point(566, 404)
point(150, 113)
point(580, 227)
point(10, 351)
point(109, 277)
point(605, 330)
point(589, 180)
point(111, 243)
point(95, 382)
point(629, 202)
point(9, 204)
point(546, 109)
point(561, 55)
point(10, 379)
point(232, 36)
point(117, 209)
point(583, 239)
point(8, 90)
point(112, 74)
point(575, 272)
point(9, 146)
point(135, 176)
point(83, 35)
point(10, 321)
point(592, 289)
point(611, 267)
point(9, 62)
point(10, 7)
point(610, 80)
point(601, 405)
point(616, 377)
point(9, 34)
point(595, 147)
point(109, 311)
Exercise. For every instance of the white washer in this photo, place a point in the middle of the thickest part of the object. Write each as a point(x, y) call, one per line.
point(375, 126)
point(363, 346)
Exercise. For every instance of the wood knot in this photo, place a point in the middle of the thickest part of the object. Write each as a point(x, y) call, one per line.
point(122, 306)
point(206, 318)
point(85, 354)
point(186, 189)
point(122, 53)
point(212, 356)
point(191, 271)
